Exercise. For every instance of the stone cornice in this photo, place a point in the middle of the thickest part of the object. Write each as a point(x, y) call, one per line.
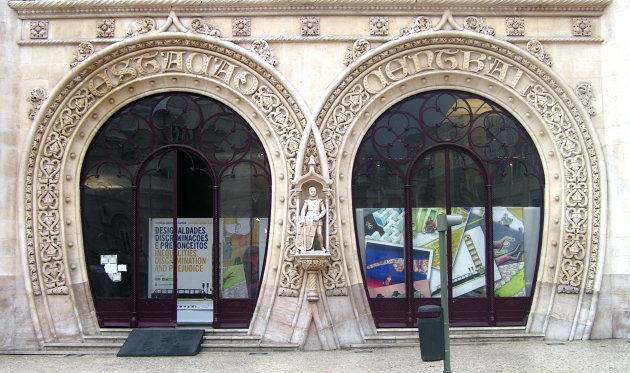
point(95, 8)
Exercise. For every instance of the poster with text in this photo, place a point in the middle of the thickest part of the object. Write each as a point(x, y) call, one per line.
point(194, 257)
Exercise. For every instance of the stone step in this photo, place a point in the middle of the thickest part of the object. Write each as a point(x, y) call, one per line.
point(251, 346)
point(111, 340)
point(458, 330)
point(85, 348)
point(399, 337)
point(218, 339)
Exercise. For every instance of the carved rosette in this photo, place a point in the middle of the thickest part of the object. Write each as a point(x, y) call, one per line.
point(241, 26)
point(379, 26)
point(515, 26)
point(105, 28)
point(310, 26)
point(580, 245)
point(581, 26)
point(156, 56)
point(39, 29)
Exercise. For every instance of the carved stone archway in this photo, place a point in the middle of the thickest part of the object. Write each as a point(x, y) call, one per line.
point(572, 252)
point(60, 298)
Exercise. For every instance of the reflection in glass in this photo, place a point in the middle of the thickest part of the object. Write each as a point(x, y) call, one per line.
point(156, 227)
point(107, 230)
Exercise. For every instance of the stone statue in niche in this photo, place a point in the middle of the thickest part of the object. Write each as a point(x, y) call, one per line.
point(310, 222)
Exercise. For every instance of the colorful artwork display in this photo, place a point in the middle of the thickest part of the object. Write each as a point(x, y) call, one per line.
point(241, 242)
point(384, 251)
point(385, 269)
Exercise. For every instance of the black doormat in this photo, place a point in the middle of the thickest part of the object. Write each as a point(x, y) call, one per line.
point(162, 342)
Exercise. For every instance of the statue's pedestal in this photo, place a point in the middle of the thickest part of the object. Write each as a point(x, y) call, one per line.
point(314, 326)
point(313, 262)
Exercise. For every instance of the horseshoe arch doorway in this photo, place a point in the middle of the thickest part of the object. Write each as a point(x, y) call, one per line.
point(457, 153)
point(175, 170)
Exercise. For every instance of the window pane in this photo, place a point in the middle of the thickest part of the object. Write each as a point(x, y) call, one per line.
point(467, 190)
point(380, 221)
point(155, 215)
point(107, 230)
point(428, 195)
point(244, 198)
point(517, 216)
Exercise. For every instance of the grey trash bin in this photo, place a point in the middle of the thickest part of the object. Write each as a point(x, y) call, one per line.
point(431, 333)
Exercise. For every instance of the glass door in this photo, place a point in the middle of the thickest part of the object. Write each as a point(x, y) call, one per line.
point(156, 261)
point(176, 201)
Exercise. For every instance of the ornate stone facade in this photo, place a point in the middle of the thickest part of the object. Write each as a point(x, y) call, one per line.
point(312, 107)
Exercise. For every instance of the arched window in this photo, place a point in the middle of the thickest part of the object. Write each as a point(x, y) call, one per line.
point(456, 153)
point(175, 170)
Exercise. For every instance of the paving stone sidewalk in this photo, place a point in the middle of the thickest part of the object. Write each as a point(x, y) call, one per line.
point(580, 356)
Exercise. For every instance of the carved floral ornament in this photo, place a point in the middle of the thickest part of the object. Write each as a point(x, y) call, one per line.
point(411, 58)
point(69, 105)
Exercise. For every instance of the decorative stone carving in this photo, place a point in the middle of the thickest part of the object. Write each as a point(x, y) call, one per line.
point(574, 249)
point(105, 28)
point(313, 263)
point(37, 97)
point(310, 26)
point(39, 30)
point(535, 48)
point(201, 26)
point(580, 238)
point(150, 57)
point(261, 48)
point(293, 273)
point(357, 49)
point(478, 24)
point(581, 26)
point(379, 26)
point(420, 24)
point(515, 26)
point(85, 50)
point(584, 91)
point(142, 26)
point(241, 26)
